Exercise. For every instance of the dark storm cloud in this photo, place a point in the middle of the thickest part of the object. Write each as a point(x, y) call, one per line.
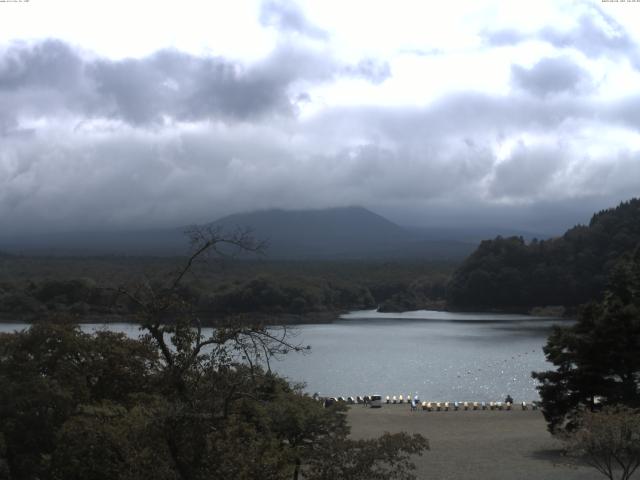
point(288, 17)
point(445, 154)
point(433, 161)
point(184, 87)
point(460, 115)
point(130, 178)
point(596, 35)
point(51, 64)
point(50, 78)
point(550, 76)
point(35, 80)
point(526, 172)
point(95, 143)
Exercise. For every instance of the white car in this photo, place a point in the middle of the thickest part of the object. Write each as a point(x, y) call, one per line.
point(375, 401)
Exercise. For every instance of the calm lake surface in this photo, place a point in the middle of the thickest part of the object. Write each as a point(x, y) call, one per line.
point(438, 355)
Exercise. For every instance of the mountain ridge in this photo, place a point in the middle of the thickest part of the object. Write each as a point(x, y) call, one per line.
point(336, 233)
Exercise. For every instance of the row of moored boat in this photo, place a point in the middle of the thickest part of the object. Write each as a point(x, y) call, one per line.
point(434, 406)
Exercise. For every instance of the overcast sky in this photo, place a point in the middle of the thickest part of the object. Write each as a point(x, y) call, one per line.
point(125, 114)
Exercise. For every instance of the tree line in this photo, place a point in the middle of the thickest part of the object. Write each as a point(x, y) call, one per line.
point(570, 270)
point(270, 288)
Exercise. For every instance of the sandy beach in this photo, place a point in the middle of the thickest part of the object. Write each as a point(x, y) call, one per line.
point(475, 445)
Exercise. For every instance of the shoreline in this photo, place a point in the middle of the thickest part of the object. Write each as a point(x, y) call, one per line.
point(247, 318)
point(260, 318)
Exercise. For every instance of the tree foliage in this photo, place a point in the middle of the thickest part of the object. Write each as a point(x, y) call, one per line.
point(270, 288)
point(384, 458)
point(175, 404)
point(569, 270)
point(609, 441)
point(597, 360)
point(47, 372)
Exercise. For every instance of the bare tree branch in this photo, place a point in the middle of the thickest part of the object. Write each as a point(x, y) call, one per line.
point(171, 323)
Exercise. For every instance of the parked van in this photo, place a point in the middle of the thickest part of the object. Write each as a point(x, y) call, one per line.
point(375, 401)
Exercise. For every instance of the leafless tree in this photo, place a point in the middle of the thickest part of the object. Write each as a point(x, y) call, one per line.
point(170, 321)
point(609, 441)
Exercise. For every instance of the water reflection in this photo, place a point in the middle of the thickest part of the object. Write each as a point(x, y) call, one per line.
point(438, 355)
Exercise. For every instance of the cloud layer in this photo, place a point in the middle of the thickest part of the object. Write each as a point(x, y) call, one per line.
point(88, 142)
point(50, 79)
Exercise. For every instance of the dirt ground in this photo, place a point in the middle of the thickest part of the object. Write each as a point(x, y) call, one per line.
point(475, 445)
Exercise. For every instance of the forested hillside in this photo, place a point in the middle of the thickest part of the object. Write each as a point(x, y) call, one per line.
point(569, 270)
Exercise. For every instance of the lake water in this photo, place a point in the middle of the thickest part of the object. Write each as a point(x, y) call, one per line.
point(438, 355)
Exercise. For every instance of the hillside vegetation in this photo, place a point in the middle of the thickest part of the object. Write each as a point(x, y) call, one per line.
point(33, 288)
point(510, 273)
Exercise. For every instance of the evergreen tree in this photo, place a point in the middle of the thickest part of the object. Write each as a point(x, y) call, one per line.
point(570, 270)
point(598, 359)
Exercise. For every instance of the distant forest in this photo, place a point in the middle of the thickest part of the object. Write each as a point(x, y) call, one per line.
point(38, 287)
point(509, 273)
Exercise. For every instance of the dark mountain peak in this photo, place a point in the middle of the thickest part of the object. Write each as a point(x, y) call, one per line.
point(337, 216)
point(333, 232)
